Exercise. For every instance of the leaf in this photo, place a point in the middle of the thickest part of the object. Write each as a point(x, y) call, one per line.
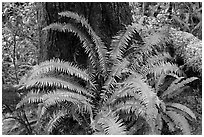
point(180, 122)
point(177, 106)
point(31, 97)
point(86, 42)
point(121, 41)
point(111, 125)
point(54, 121)
point(99, 45)
point(159, 124)
point(174, 87)
point(57, 83)
point(58, 66)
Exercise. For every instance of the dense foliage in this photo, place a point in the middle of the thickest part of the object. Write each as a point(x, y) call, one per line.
point(129, 89)
point(19, 40)
point(185, 16)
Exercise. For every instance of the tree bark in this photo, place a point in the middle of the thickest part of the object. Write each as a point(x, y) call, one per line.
point(106, 19)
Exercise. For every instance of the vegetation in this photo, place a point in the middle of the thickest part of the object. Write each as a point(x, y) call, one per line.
point(128, 88)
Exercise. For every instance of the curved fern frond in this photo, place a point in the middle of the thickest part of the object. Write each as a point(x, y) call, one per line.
point(58, 96)
point(185, 111)
point(163, 67)
point(58, 66)
point(54, 121)
point(155, 59)
point(169, 93)
point(158, 39)
point(116, 71)
point(121, 41)
point(131, 106)
point(99, 45)
point(153, 44)
point(56, 83)
point(159, 124)
point(180, 122)
point(111, 125)
point(147, 97)
point(86, 43)
point(31, 97)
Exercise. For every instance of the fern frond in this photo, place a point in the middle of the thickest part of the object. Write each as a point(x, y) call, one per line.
point(159, 82)
point(169, 93)
point(58, 96)
point(157, 39)
point(131, 106)
point(86, 43)
point(56, 83)
point(152, 44)
point(31, 97)
point(147, 96)
point(159, 124)
point(111, 125)
point(99, 45)
point(114, 127)
point(139, 125)
point(185, 111)
point(128, 116)
point(54, 121)
point(180, 122)
point(163, 67)
point(116, 71)
point(63, 95)
point(155, 59)
point(58, 66)
point(121, 41)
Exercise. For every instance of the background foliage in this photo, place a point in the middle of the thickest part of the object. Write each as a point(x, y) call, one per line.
point(19, 40)
point(184, 16)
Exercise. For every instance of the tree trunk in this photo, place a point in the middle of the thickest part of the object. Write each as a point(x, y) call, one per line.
point(106, 19)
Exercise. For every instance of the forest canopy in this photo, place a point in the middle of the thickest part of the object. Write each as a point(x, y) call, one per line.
point(102, 68)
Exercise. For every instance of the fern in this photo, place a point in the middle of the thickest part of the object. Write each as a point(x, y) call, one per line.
point(56, 65)
point(99, 45)
point(56, 83)
point(86, 42)
point(142, 92)
point(109, 93)
point(111, 80)
point(109, 124)
point(31, 97)
point(159, 124)
point(61, 96)
point(152, 43)
point(156, 39)
point(121, 41)
point(180, 122)
point(170, 92)
point(179, 108)
point(55, 121)
point(131, 106)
